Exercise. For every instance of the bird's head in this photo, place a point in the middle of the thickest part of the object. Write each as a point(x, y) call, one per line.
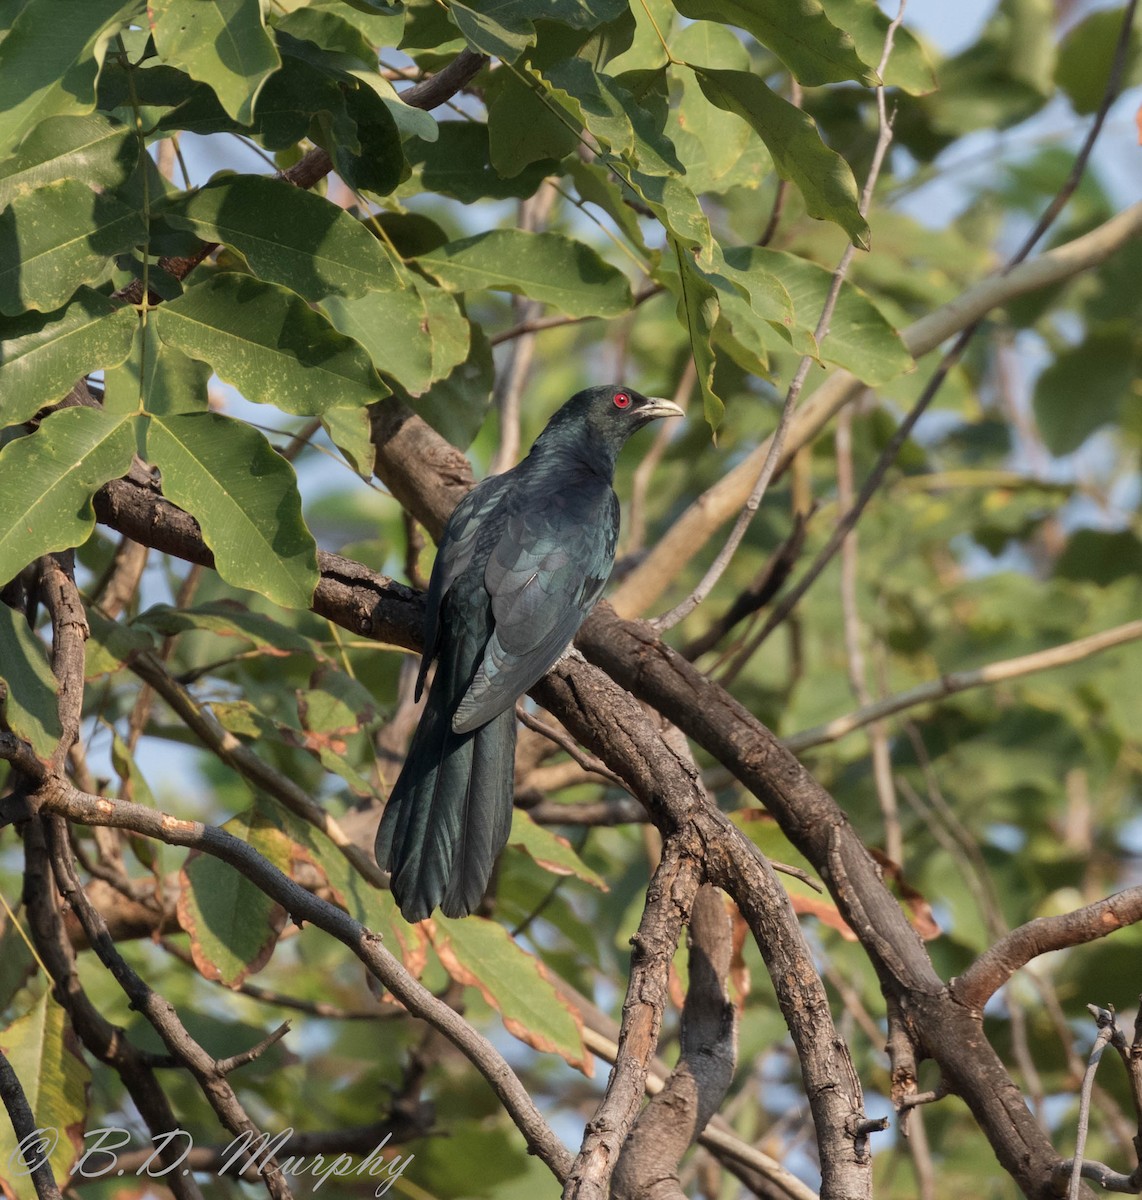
point(607, 415)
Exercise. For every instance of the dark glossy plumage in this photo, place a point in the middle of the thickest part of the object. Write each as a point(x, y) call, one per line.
point(522, 561)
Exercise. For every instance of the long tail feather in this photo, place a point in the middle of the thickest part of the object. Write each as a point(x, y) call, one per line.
point(449, 812)
point(487, 814)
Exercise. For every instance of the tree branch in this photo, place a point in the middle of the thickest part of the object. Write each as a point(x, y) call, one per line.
point(995, 966)
point(669, 899)
point(666, 1127)
point(58, 796)
point(24, 1127)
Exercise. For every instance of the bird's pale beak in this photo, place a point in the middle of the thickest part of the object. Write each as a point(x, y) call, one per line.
point(657, 407)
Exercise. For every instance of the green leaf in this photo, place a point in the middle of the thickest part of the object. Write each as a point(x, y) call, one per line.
point(1086, 54)
point(270, 345)
point(908, 66)
point(166, 380)
point(46, 1057)
point(719, 150)
point(522, 128)
point(17, 966)
point(417, 335)
point(504, 29)
point(96, 149)
point(223, 43)
point(58, 237)
point(30, 708)
point(233, 925)
point(552, 852)
point(613, 115)
point(458, 164)
point(350, 430)
point(824, 178)
point(47, 480)
point(43, 354)
point(244, 496)
point(481, 954)
point(678, 209)
point(50, 61)
point(134, 783)
point(502, 34)
point(859, 339)
point(545, 266)
point(1086, 387)
point(798, 31)
point(373, 158)
point(699, 307)
point(228, 618)
point(111, 644)
point(456, 407)
point(287, 235)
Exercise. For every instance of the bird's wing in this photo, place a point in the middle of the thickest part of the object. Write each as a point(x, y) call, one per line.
point(455, 553)
point(544, 575)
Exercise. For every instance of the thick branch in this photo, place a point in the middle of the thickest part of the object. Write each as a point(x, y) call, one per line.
point(668, 902)
point(648, 1167)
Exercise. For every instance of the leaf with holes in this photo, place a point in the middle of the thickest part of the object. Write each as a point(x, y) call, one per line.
point(270, 345)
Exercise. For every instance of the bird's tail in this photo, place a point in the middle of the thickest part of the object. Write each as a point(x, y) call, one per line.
point(449, 812)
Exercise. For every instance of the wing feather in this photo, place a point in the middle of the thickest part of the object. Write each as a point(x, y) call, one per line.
point(547, 569)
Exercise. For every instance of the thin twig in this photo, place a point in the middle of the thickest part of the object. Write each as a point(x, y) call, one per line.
point(1105, 1021)
point(722, 500)
point(565, 742)
point(669, 899)
point(959, 681)
point(533, 216)
point(158, 1011)
point(246, 763)
point(854, 651)
point(777, 440)
point(648, 464)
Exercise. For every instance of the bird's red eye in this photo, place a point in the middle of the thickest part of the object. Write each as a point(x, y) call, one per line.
point(622, 400)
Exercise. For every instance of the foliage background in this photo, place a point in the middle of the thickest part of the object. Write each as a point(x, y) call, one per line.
point(436, 268)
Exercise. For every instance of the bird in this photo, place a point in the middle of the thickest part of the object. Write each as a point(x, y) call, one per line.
point(522, 561)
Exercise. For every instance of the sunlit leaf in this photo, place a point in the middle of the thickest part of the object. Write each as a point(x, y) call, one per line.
point(269, 344)
point(48, 478)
